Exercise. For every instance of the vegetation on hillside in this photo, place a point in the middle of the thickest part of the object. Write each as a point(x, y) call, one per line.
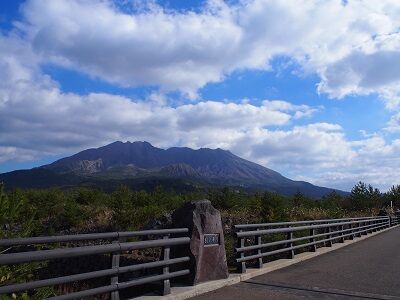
point(35, 212)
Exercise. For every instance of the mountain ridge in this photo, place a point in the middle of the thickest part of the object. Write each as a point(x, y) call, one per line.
point(130, 161)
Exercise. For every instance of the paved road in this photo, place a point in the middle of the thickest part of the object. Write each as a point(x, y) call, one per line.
point(369, 269)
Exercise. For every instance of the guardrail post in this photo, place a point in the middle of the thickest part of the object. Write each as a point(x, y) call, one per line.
point(313, 248)
point(341, 239)
point(358, 233)
point(370, 229)
point(259, 242)
point(114, 279)
point(241, 266)
point(365, 232)
point(167, 284)
point(329, 236)
point(390, 221)
point(290, 244)
point(352, 236)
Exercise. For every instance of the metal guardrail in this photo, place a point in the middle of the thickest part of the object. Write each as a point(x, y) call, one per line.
point(309, 234)
point(115, 247)
point(395, 220)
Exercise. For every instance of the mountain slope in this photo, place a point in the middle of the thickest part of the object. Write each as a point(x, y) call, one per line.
point(141, 162)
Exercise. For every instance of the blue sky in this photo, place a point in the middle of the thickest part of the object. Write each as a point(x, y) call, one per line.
point(311, 92)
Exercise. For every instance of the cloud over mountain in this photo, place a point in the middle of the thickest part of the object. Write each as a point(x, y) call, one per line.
point(186, 50)
point(37, 116)
point(351, 46)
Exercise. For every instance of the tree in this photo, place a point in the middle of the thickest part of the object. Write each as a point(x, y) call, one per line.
point(122, 205)
point(393, 195)
point(363, 197)
point(273, 207)
point(375, 198)
point(223, 199)
point(298, 199)
point(332, 200)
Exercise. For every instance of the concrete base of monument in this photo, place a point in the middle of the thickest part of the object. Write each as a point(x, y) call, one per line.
point(186, 292)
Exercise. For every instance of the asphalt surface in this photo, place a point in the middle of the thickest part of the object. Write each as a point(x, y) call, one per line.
point(369, 269)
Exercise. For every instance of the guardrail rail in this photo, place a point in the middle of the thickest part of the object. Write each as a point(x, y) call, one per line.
point(299, 235)
point(395, 220)
point(115, 247)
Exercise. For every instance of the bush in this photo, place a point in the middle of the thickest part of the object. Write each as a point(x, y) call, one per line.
point(13, 221)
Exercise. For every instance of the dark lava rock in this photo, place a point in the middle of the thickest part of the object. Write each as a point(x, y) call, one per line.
point(164, 221)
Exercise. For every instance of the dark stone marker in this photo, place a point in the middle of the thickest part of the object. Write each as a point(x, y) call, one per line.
point(207, 248)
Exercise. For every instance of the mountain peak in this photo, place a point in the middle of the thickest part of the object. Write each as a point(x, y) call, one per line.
point(142, 160)
point(137, 143)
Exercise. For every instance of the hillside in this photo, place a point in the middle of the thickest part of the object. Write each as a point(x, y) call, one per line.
point(140, 164)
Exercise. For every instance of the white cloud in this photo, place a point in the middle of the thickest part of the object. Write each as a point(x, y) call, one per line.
point(320, 144)
point(36, 116)
point(239, 116)
point(376, 162)
point(353, 47)
point(17, 154)
point(394, 123)
point(363, 74)
point(175, 51)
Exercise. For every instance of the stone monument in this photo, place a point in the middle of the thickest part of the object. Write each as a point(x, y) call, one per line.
point(207, 247)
